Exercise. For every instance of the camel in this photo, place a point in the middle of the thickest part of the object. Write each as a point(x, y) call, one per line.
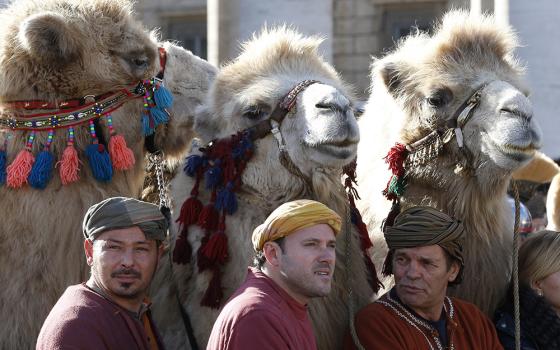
point(59, 56)
point(460, 86)
point(320, 136)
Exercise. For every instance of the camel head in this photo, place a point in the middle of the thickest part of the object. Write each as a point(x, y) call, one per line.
point(60, 50)
point(320, 131)
point(425, 85)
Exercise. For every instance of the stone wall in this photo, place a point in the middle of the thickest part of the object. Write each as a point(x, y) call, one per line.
point(364, 29)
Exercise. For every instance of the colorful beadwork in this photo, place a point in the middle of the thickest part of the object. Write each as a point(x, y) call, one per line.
point(69, 114)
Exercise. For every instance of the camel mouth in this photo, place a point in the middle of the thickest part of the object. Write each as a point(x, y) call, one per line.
point(345, 149)
point(517, 152)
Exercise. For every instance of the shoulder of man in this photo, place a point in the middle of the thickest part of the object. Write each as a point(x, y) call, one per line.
point(476, 325)
point(77, 319)
point(379, 326)
point(250, 326)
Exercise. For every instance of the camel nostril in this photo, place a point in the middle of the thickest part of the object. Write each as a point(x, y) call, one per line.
point(517, 113)
point(324, 105)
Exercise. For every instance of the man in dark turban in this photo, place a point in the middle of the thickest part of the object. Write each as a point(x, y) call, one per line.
point(425, 256)
point(123, 245)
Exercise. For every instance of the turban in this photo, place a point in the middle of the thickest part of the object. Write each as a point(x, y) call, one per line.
point(424, 226)
point(121, 212)
point(293, 216)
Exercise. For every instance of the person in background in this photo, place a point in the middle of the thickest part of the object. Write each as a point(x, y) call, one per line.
point(294, 262)
point(539, 296)
point(123, 245)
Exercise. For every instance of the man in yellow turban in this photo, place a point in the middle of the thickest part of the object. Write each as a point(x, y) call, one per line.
point(294, 262)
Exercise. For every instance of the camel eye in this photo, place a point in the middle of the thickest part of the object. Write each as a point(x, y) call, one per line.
point(140, 62)
point(439, 98)
point(254, 112)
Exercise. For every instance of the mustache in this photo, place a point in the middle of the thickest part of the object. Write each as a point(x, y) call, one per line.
point(126, 272)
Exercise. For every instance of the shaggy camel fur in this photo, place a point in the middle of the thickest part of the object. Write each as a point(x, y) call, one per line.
point(57, 50)
point(321, 136)
point(416, 89)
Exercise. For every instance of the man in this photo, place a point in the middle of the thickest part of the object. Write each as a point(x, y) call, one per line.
point(123, 245)
point(425, 256)
point(294, 262)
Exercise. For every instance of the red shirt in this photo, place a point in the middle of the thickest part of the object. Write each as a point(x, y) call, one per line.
point(262, 315)
point(83, 319)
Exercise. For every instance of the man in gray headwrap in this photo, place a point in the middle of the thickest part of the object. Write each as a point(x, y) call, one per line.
point(122, 246)
point(425, 256)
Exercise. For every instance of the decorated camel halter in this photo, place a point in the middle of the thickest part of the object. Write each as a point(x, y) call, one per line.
point(68, 115)
point(401, 157)
point(221, 165)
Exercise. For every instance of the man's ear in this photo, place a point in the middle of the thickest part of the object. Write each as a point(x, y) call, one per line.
point(454, 271)
point(48, 38)
point(161, 250)
point(272, 251)
point(88, 248)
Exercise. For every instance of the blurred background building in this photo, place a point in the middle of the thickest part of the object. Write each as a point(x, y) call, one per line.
point(356, 30)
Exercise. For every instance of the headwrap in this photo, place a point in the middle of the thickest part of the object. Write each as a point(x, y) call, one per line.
point(121, 212)
point(423, 226)
point(293, 216)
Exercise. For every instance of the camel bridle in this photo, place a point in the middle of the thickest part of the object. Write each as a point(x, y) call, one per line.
point(271, 125)
point(431, 145)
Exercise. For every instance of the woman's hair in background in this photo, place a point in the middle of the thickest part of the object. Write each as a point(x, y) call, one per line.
point(539, 256)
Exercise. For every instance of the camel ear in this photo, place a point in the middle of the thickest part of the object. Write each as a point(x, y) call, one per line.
point(48, 38)
point(391, 74)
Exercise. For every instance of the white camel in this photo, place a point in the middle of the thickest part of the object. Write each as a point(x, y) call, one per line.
point(464, 167)
point(320, 135)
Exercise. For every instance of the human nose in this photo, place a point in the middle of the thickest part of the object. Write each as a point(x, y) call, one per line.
point(328, 255)
point(127, 258)
point(412, 270)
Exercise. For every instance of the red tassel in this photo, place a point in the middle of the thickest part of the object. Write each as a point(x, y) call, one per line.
point(395, 158)
point(214, 294)
point(208, 218)
point(183, 251)
point(19, 170)
point(190, 212)
point(122, 157)
point(216, 249)
point(69, 165)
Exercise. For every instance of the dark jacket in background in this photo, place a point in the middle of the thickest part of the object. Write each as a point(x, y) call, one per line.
point(540, 325)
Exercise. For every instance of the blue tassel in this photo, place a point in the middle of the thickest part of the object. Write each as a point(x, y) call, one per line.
point(213, 176)
point(193, 163)
point(2, 167)
point(148, 130)
point(160, 116)
point(41, 172)
point(226, 200)
point(163, 97)
point(99, 162)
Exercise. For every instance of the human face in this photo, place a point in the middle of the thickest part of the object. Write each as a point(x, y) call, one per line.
point(421, 278)
point(123, 263)
point(304, 266)
point(550, 287)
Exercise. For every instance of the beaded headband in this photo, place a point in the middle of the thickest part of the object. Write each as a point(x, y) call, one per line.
point(37, 171)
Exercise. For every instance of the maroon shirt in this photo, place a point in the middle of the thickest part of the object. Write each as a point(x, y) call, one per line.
point(83, 319)
point(262, 315)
